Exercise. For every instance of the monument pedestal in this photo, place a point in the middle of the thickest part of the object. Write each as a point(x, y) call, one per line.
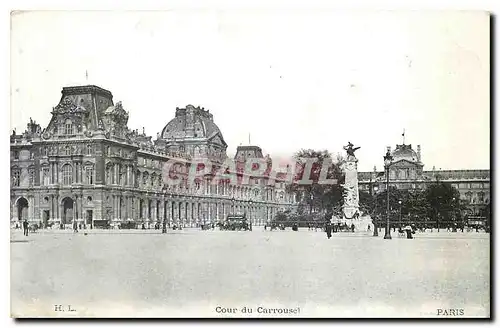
point(351, 192)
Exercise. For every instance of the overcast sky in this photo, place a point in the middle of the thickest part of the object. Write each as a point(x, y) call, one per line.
point(292, 79)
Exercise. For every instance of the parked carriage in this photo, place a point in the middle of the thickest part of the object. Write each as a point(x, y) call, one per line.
point(236, 222)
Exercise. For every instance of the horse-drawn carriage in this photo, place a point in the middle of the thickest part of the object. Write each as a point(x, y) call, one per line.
point(235, 222)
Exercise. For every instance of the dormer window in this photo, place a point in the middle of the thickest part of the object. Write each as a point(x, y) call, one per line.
point(68, 127)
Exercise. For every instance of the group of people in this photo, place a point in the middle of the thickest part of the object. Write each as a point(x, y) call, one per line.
point(331, 227)
point(26, 227)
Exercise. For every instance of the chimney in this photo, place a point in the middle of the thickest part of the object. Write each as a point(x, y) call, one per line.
point(418, 153)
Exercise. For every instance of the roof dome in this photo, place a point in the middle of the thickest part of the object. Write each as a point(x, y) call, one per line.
point(404, 152)
point(190, 122)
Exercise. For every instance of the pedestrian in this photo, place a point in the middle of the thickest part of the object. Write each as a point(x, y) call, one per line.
point(75, 227)
point(328, 229)
point(352, 227)
point(25, 227)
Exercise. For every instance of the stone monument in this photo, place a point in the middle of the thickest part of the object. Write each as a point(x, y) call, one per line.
point(351, 192)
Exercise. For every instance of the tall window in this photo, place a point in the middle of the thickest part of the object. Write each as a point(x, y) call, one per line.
point(89, 150)
point(16, 154)
point(480, 197)
point(68, 127)
point(468, 196)
point(31, 173)
point(45, 176)
point(121, 175)
point(67, 174)
point(108, 175)
point(67, 151)
point(89, 175)
point(16, 177)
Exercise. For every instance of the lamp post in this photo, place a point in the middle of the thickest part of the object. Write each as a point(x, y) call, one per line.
point(375, 226)
point(387, 164)
point(311, 196)
point(400, 215)
point(454, 229)
point(232, 205)
point(250, 212)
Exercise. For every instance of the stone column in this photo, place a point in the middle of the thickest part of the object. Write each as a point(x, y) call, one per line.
point(161, 206)
point(209, 212)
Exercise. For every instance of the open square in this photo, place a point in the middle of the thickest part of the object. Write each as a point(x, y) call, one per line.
point(192, 272)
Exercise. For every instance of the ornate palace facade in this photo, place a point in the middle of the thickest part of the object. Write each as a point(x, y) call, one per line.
point(88, 166)
point(406, 172)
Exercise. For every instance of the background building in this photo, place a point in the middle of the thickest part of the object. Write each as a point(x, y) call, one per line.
point(406, 173)
point(88, 166)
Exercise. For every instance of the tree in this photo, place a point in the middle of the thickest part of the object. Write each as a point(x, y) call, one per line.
point(323, 198)
point(444, 204)
point(376, 205)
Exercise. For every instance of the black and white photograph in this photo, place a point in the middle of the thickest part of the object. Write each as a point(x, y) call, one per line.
point(259, 163)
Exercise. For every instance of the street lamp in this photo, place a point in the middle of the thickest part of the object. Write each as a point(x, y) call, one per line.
point(311, 196)
point(375, 225)
point(387, 164)
point(250, 211)
point(232, 202)
point(400, 215)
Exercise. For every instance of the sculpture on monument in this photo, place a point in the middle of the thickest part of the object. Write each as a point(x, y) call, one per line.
point(350, 149)
point(351, 192)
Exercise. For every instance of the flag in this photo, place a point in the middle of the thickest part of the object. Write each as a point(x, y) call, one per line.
point(380, 174)
point(86, 75)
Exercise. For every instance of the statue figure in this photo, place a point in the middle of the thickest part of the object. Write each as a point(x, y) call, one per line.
point(350, 149)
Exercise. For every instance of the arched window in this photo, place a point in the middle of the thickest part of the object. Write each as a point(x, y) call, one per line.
point(68, 127)
point(67, 174)
point(468, 196)
point(16, 177)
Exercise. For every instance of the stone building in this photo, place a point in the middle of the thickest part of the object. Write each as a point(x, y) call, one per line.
point(407, 172)
point(88, 166)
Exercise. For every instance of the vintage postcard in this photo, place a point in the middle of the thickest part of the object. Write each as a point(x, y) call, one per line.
point(264, 163)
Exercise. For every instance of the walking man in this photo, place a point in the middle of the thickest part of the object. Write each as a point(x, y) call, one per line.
point(328, 229)
point(25, 227)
